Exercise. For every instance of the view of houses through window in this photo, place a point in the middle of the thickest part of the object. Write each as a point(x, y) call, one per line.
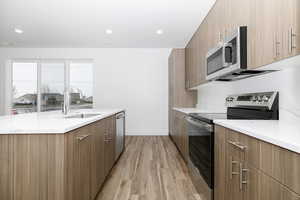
point(81, 86)
point(24, 89)
point(51, 78)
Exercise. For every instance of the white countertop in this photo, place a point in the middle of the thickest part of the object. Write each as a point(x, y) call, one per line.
point(285, 134)
point(49, 122)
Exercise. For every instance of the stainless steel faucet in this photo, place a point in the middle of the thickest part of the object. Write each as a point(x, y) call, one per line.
point(65, 104)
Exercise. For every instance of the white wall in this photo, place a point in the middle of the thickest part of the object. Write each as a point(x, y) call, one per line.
point(211, 96)
point(134, 79)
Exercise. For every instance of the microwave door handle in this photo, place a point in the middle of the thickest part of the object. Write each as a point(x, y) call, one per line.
point(227, 50)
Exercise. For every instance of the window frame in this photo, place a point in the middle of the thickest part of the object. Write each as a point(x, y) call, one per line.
point(39, 62)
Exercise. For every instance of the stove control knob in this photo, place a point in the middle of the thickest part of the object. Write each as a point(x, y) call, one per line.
point(265, 98)
point(229, 99)
point(254, 98)
point(259, 98)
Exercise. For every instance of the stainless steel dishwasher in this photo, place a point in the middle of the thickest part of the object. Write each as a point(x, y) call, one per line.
point(120, 132)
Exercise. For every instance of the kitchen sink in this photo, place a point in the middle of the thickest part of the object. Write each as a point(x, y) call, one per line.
point(82, 115)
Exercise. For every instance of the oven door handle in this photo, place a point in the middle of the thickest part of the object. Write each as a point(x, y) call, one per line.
point(199, 124)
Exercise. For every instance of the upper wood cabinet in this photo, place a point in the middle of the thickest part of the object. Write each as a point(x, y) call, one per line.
point(291, 27)
point(273, 33)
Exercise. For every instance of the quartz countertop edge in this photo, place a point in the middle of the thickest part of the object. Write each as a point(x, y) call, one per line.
point(283, 134)
point(192, 110)
point(51, 122)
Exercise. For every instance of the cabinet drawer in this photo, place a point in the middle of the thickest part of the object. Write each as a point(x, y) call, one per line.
point(247, 146)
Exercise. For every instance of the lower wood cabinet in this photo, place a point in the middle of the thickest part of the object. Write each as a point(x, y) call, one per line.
point(79, 164)
point(109, 145)
point(250, 169)
point(180, 134)
point(70, 166)
point(97, 154)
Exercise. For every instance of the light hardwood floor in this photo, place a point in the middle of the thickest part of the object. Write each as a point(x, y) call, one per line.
point(150, 169)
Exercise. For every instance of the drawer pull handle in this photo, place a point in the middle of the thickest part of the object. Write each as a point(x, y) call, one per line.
point(82, 137)
point(239, 146)
point(232, 162)
point(242, 181)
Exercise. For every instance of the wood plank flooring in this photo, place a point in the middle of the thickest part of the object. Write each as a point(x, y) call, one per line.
point(150, 169)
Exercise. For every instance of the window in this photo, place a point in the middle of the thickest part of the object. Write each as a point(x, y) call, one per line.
point(52, 86)
point(40, 85)
point(24, 88)
point(81, 86)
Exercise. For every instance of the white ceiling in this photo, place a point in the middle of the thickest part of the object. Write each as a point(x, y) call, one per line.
point(82, 23)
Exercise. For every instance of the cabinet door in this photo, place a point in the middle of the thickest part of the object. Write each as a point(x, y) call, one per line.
point(171, 91)
point(109, 146)
point(268, 35)
point(233, 160)
point(290, 27)
point(220, 163)
point(5, 171)
point(82, 165)
point(250, 181)
point(97, 174)
point(188, 65)
point(184, 139)
point(269, 189)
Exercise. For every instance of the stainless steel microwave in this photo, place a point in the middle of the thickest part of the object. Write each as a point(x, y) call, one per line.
point(229, 57)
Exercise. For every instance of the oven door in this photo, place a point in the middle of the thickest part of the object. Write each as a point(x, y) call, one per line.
point(201, 148)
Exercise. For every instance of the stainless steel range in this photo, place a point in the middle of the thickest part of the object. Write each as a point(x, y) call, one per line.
point(262, 106)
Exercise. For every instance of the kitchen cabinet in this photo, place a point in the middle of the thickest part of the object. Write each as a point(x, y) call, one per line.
point(220, 163)
point(97, 154)
point(192, 76)
point(268, 34)
point(5, 170)
point(69, 166)
point(179, 96)
point(271, 36)
point(291, 27)
point(253, 169)
point(180, 136)
point(80, 161)
point(109, 144)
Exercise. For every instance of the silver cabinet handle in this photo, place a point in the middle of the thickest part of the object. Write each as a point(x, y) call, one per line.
point(242, 181)
point(276, 44)
point(292, 35)
point(187, 84)
point(82, 137)
point(239, 146)
point(232, 162)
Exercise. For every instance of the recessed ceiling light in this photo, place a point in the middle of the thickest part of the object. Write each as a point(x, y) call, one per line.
point(108, 31)
point(159, 32)
point(19, 31)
